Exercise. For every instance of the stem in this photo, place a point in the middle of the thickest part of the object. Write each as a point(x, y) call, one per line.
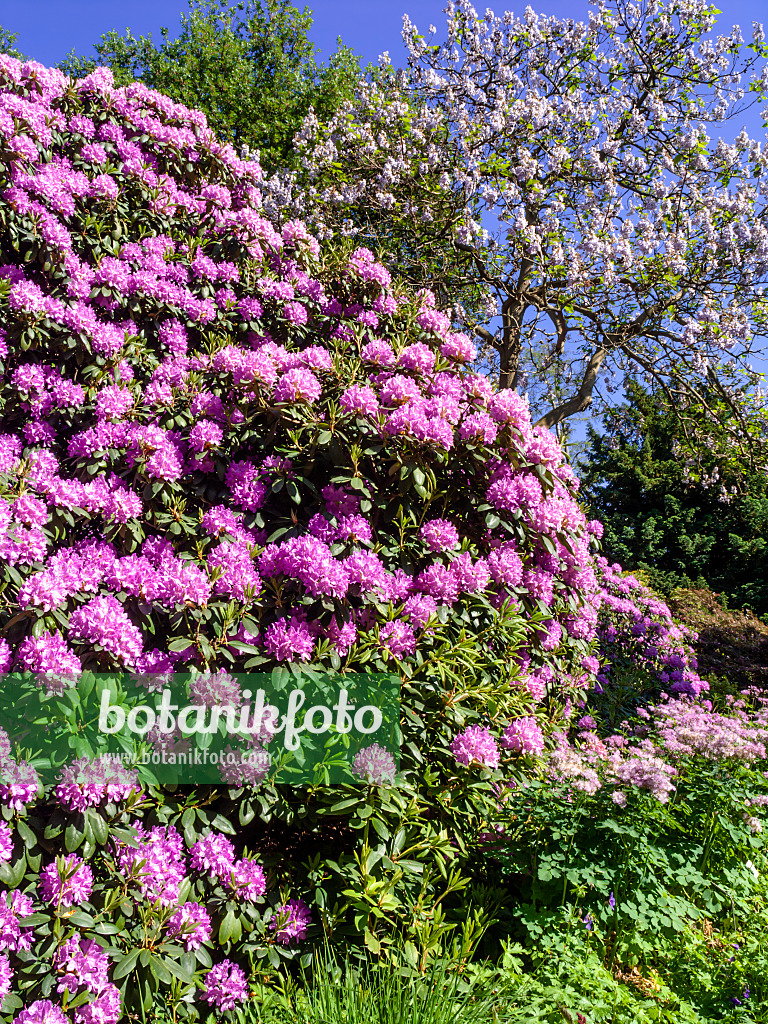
point(570, 846)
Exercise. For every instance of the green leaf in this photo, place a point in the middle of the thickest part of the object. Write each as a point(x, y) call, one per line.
point(227, 927)
point(98, 825)
point(159, 969)
point(293, 492)
point(179, 644)
point(34, 920)
point(73, 838)
point(342, 805)
point(223, 825)
point(80, 1000)
point(26, 833)
point(13, 874)
point(178, 971)
point(81, 919)
point(126, 965)
point(273, 956)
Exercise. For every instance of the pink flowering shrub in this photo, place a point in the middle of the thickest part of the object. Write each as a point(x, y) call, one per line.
point(143, 890)
point(222, 446)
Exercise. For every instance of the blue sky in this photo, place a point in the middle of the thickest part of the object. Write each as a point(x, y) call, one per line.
point(49, 29)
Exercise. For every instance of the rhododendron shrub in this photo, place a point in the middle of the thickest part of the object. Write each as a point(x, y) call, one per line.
point(224, 447)
point(147, 920)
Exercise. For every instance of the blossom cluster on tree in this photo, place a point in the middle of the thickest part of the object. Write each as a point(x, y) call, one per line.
point(568, 178)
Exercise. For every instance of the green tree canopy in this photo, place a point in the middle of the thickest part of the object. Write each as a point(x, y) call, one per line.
point(249, 66)
point(8, 44)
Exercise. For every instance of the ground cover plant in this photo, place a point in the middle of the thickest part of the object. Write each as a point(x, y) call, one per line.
point(226, 445)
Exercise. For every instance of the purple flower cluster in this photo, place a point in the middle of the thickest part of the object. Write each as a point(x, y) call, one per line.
point(42, 1011)
point(225, 986)
point(683, 727)
point(83, 965)
point(477, 746)
point(637, 626)
point(86, 783)
point(191, 924)
point(6, 842)
point(213, 855)
point(66, 882)
point(290, 922)
point(667, 738)
point(13, 907)
point(642, 769)
point(19, 783)
point(6, 976)
point(374, 765)
point(439, 535)
point(248, 879)
point(523, 736)
point(157, 865)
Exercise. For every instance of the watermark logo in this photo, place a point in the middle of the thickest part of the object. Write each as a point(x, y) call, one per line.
point(289, 726)
point(246, 720)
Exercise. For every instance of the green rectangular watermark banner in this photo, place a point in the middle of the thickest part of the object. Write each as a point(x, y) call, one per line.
point(296, 725)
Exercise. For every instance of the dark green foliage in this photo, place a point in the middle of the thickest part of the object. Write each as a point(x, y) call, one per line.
point(684, 516)
point(249, 67)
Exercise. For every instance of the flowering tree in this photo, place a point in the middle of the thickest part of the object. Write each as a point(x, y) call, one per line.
point(567, 169)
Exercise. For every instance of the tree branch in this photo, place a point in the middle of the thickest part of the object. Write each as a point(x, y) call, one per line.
point(583, 397)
